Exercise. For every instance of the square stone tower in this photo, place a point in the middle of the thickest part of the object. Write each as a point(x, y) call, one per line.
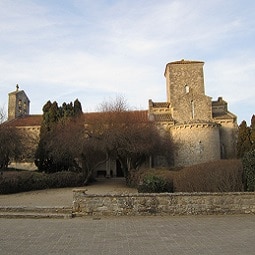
point(186, 91)
point(18, 105)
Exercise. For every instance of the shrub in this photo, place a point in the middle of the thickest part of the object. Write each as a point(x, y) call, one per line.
point(217, 176)
point(14, 182)
point(137, 177)
point(64, 179)
point(249, 170)
point(155, 184)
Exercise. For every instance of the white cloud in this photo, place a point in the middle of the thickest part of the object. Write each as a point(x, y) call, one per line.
point(98, 48)
point(232, 77)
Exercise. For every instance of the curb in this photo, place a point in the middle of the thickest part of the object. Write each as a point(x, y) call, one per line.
point(12, 212)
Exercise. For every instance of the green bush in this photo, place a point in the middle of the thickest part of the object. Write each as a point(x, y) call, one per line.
point(249, 170)
point(15, 182)
point(64, 179)
point(155, 184)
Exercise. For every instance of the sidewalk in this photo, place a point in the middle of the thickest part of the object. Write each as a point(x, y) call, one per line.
point(177, 235)
point(189, 235)
point(64, 197)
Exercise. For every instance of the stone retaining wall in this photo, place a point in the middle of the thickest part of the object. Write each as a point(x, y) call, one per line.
point(162, 204)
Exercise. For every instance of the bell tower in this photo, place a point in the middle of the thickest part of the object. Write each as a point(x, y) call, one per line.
point(18, 104)
point(186, 91)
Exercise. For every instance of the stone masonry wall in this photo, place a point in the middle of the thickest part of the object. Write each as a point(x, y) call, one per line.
point(186, 92)
point(228, 137)
point(18, 104)
point(144, 204)
point(196, 143)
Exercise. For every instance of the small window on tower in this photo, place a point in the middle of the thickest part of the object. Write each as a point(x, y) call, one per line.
point(186, 89)
point(19, 104)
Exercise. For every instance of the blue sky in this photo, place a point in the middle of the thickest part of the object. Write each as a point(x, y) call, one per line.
point(94, 50)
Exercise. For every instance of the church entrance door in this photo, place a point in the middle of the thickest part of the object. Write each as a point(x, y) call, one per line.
point(119, 172)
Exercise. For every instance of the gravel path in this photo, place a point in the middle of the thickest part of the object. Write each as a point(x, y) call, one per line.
point(64, 196)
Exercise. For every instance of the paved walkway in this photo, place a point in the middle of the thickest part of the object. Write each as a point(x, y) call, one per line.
point(64, 197)
point(176, 235)
point(196, 235)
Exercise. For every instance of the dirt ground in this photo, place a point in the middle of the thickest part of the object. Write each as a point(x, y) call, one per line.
point(64, 196)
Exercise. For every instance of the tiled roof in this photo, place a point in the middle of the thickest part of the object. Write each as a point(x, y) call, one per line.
point(36, 120)
point(139, 115)
point(28, 120)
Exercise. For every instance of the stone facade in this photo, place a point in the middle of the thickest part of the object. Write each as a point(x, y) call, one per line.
point(18, 104)
point(196, 143)
point(144, 204)
point(203, 130)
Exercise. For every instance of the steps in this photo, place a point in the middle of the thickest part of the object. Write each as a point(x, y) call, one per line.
point(37, 212)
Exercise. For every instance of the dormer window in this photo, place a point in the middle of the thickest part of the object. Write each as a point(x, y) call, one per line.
point(186, 89)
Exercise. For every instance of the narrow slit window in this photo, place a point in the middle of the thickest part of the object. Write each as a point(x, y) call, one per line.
point(186, 89)
point(192, 109)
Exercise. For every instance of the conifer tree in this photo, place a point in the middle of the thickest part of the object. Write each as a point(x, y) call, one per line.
point(77, 108)
point(55, 120)
point(252, 132)
point(243, 142)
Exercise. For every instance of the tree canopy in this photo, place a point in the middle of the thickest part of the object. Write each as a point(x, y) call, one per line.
point(10, 142)
point(246, 137)
point(54, 152)
point(118, 133)
point(69, 140)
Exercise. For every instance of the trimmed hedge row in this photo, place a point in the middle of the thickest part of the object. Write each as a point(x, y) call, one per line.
point(21, 181)
point(217, 176)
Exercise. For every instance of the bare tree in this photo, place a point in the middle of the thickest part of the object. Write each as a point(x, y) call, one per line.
point(9, 141)
point(2, 115)
point(114, 133)
point(128, 136)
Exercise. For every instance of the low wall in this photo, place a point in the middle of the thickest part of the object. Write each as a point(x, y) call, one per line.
point(162, 204)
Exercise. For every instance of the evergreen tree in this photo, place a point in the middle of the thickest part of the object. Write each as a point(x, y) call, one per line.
point(252, 132)
point(243, 142)
point(55, 120)
point(77, 108)
point(249, 170)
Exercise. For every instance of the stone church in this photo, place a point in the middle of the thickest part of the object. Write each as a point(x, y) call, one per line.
point(203, 130)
